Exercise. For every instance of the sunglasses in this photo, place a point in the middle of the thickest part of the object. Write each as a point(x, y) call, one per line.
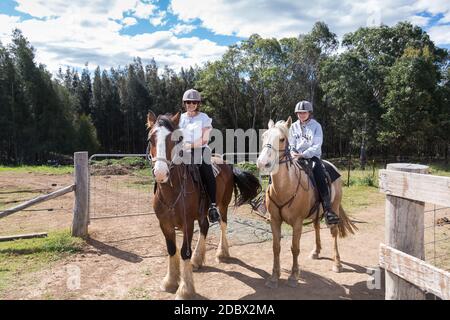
point(192, 102)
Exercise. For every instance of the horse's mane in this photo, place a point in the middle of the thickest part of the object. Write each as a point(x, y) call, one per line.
point(163, 121)
point(281, 126)
point(166, 121)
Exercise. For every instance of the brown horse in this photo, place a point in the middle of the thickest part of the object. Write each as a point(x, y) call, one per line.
point(291, 198)
point(178, 202)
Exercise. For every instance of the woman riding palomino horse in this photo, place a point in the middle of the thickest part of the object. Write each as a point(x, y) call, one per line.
point(292, 198)
point(178, 201)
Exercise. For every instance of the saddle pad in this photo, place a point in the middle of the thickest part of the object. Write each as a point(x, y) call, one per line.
point(215, 161)
point(330, 171)
point(334, 175)
point(216, 169)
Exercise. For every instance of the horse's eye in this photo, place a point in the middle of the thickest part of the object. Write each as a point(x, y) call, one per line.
point(282, 140)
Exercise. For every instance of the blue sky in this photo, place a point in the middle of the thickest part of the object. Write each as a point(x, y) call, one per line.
point(181, 33)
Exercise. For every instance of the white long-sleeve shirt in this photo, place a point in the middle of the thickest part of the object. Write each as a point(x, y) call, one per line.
point(306, 138)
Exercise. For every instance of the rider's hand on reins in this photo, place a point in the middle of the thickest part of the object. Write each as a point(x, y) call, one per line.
point(187, 146)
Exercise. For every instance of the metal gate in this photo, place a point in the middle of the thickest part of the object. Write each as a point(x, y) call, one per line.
point(120, 185)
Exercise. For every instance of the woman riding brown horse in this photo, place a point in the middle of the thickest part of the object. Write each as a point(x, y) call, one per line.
point(178, 201)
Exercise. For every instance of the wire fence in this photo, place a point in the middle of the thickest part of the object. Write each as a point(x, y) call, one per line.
point(122, 185)
point(123, 188)
point(437, 236)
point(119, 188)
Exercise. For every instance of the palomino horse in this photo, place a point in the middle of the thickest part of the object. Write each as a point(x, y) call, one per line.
point(178, 202)
point(291, 198)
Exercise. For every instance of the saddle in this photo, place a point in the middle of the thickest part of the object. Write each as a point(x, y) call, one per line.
point(195, 173)
point(331, 174)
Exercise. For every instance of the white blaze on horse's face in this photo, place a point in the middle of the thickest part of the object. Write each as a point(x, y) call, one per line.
point(161, 169)
point(269, 156)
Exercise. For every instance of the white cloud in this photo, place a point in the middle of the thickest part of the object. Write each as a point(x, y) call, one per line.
point(54, 8)
point(440, 34)
point(144, 10)
point(282, 18)
point(158, 19)
point(7, 24)
point(129, 21)
point(435, 7)
point(183, 28)
point(73, 33)
point(419, 20)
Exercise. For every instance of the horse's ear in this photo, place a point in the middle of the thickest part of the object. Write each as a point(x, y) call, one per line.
point(270, 124)
point(176, 118)
point(288, 122)
point(151, 119)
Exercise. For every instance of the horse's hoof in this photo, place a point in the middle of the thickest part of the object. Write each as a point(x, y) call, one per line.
point(337, 269)
point(171, 288)
point(272, 284)
point(293, 283)
point(180, 297)
point(184, 295)
point(314, 256)
point(196, 267)
point(222, 257)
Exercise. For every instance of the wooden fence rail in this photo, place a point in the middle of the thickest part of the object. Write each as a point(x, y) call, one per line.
point(37, 200)
point(416, 271)
point(407, 188)
point(81, 190)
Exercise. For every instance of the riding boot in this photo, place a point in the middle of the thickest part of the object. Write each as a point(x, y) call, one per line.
point(213, 213)
point(331, 218)
point(209, 181)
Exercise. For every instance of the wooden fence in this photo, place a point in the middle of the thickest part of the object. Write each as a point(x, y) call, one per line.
point(81, 190)
point(407, 188)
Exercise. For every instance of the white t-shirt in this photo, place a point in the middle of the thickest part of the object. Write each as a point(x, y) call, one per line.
point(193, 126)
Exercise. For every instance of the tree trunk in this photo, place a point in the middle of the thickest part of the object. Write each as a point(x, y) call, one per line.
point(446, 148)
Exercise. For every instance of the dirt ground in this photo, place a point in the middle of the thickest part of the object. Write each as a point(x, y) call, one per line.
point(126, 256)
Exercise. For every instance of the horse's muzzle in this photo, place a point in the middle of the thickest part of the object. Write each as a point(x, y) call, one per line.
point(161, 176)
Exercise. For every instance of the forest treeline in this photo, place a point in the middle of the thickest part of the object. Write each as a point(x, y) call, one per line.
point(387, 88)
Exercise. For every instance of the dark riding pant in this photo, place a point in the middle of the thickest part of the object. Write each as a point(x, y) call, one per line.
point(206, 173)
point(321, 181)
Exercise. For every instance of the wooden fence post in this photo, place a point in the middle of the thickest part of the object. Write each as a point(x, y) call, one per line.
point(81, 207)
point(405, 232)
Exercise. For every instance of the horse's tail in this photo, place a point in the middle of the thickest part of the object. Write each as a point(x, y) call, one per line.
point(246, 186)
point(345, 225)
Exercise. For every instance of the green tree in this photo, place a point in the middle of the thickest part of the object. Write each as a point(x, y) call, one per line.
point(84, 92)
point(87, 135)
point(410, 103)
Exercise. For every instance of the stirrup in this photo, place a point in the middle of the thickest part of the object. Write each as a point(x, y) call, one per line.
point(213, 214)
point(259, 204)
point(331, 218)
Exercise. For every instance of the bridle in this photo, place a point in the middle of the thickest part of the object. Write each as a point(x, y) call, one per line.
point(270, 146)
point(169, 163)
point(284, 158)
point(286, 153)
